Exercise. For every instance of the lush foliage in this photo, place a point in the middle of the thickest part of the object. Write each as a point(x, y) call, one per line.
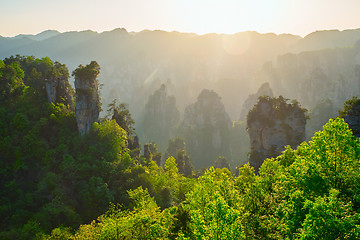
point(176, 149)
point(308, 193)
point(90, 71)
point(122, 116)
point(54, 182)
point(278, 108)
point(50, 175)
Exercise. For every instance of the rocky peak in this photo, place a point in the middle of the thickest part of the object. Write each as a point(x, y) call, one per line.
point(272, 124)
point(206, 129)
point(351, 115)
point(58, 90)
point(207, 109)
point(88, 105)
point(161, 117)
point(264, 90)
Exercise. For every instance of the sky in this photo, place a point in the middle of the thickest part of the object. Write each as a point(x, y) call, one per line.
point(299, 17)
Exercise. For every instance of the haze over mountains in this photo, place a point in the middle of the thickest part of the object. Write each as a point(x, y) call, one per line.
point(135, 64)
point(211, 146)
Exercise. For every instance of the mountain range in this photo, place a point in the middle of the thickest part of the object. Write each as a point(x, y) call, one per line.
point(135, 64)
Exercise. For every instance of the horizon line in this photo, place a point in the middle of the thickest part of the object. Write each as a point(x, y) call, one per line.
point(170, 31)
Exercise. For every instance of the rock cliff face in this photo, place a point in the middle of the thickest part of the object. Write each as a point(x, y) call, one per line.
point(161, 118)
point(353, 120)
point(351, 115)
point(177, 149)
point(206, 129)
point(59, 91)
point(272, 124)
point(87, 96)
point(249, 103)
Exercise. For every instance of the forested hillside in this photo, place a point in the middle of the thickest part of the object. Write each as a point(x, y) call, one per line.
point(307, 193)
point(60, 179)
point(52, 174)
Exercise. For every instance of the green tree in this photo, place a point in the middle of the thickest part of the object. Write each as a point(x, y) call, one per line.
point(145, 221)
point(213, 208)
point(176, 149)
point(322, 175)
point(330, 218)
point(122, 116)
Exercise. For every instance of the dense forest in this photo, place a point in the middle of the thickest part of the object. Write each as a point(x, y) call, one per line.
point(68, 173)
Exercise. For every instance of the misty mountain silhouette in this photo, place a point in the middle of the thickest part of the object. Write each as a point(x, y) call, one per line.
point(135, 64)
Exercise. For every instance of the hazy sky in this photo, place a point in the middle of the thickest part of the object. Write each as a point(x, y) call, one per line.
point(200, 16)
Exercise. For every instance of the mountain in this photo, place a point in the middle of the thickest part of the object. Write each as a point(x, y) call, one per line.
point(272, 124)
point(40, 36)
point(327, 39)
point(135, 64)
point(206, 129)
